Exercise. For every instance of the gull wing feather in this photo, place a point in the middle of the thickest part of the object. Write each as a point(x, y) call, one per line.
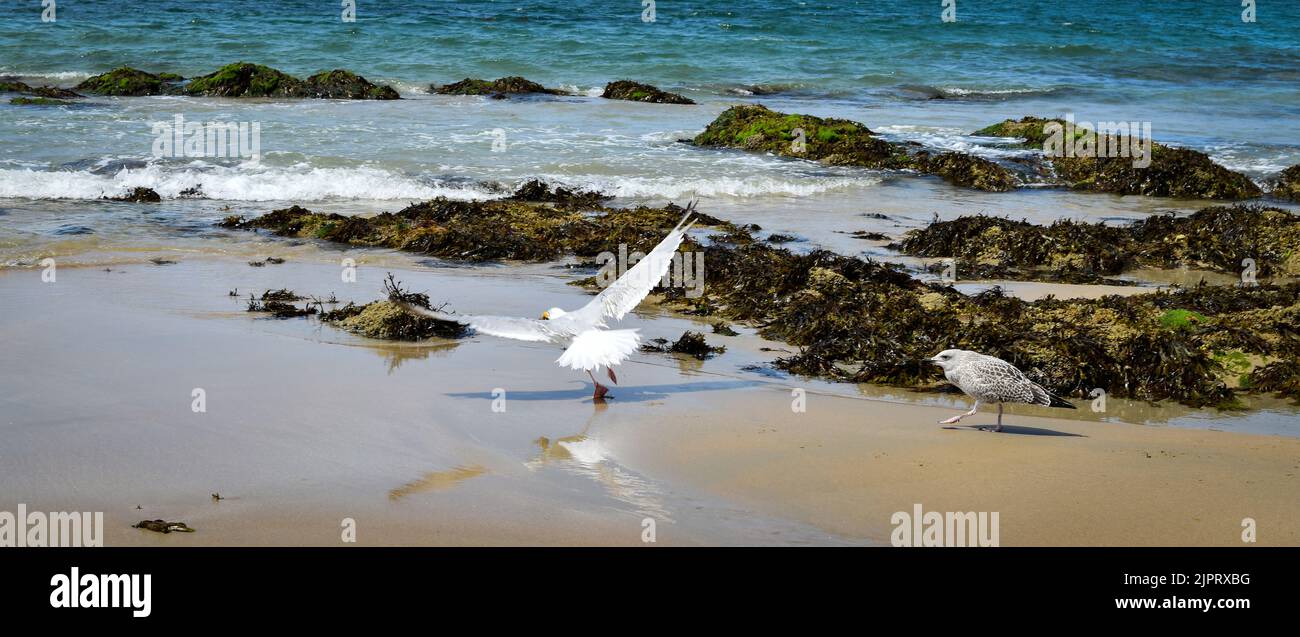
point(623, 295)
point(519, 329)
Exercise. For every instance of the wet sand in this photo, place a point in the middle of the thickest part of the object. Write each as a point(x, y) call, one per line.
point(306, 425)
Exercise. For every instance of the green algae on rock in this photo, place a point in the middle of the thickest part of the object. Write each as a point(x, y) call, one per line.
point(341, 84)
point(501, 86)
point(1220, 238)
point(125, 80)
point(638, 92)
point(243, 79)
point(38, 101)
point(1172, 172)
point(843, 142)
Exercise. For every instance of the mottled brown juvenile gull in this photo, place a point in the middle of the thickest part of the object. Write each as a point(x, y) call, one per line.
point(588, 347)
point(989, 379)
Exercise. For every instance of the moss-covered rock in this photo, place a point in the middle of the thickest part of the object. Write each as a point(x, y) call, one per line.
point(1030, 128)
point(637, 92)
point(501, 86)
point(341, 84)
point(1287, 184)
point(968, 171)
point(128, 81)
point(243, 79)
point(843, 142)
point(38, 101)
point(48, 92)
point(1173, 172)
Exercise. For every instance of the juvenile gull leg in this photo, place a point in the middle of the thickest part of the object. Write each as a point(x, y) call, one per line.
point(958, 417)
point(998, 427)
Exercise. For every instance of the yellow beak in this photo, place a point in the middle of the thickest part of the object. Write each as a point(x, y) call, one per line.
point(546, 316)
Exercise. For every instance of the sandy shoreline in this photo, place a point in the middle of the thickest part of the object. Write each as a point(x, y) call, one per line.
point(306, 425)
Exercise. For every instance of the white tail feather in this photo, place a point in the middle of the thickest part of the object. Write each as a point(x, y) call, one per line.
point(599, 348)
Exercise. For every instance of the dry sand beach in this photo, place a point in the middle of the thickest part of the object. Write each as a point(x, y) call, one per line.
point(306, 425)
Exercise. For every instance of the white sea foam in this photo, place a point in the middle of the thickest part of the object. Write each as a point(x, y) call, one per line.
point(956, 140)
point(58, 76)
point(592, 91)
point(260, 184)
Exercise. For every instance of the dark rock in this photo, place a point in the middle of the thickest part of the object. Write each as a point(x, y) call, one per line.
point(243, 79)
point(637, 92)
point(506, 85)
point(128, 81)
point(139, 194)
point(341, 84)
point(1173, 172)
point(844, 143)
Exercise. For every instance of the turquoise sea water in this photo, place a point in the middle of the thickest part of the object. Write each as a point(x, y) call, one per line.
point(1202, 77)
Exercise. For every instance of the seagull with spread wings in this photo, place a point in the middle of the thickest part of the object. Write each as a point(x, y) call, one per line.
point(589, 345)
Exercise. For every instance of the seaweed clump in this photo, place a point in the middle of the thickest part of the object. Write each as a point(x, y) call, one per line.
point(1287, 184)
point(387, 319)
point(279, 304)
point(842, 142)
point(485, 230)
point(1280, 377)
point(859, 321)
point(1173, 172)
point(500, 86)
point(1220, 238)
point(139, 194)
point(690, 343)
point(163, 526)
point(638, 92)
point(540, 191)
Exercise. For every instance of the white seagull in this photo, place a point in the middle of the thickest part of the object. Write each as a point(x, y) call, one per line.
point(588, 346)
point(990, 379)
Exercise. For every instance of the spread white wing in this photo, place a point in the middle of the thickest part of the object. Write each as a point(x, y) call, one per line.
point(622, 296)
point(520, 329)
